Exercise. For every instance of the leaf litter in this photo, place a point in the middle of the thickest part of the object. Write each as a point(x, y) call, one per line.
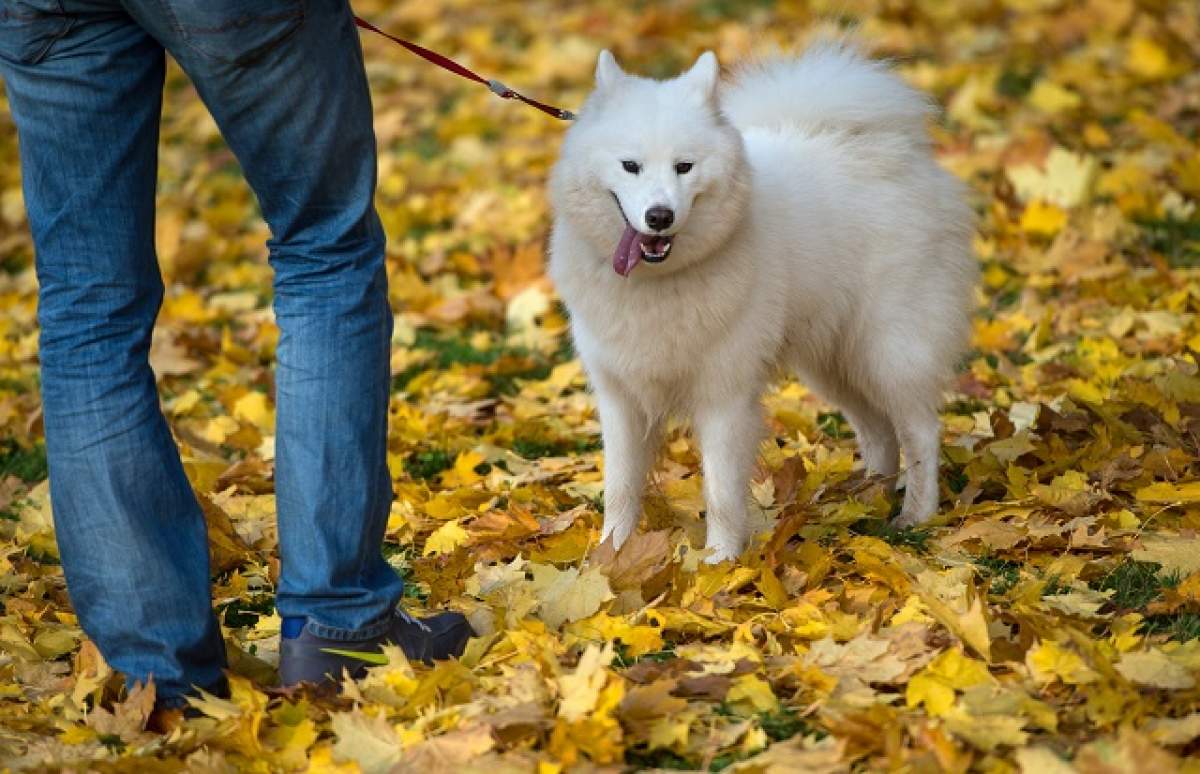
point(1047, 621)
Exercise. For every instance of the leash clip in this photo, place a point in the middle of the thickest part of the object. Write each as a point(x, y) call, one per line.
point(499, 89)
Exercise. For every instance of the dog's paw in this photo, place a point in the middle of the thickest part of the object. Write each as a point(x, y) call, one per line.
point(908, 519)
point(618, 531)
point(722, 551)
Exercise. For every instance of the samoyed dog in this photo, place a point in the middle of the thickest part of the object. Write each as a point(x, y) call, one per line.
point(707, 237)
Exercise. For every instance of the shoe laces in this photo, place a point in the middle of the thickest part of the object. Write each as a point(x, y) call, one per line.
point(407, 618)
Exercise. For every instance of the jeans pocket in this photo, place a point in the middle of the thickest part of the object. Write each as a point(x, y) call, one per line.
point(29, 28)
point(236, 32)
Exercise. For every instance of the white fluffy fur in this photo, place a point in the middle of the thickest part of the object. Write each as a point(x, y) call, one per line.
point(815, 234)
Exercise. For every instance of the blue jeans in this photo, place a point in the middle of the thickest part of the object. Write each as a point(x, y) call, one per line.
point(284, 80)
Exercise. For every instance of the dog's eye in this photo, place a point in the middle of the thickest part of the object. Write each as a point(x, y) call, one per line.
point(632, 167)
point(683, 167)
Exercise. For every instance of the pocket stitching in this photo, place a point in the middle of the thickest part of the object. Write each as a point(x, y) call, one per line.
point(246, 20)
point(190, 34)
point(65, 22)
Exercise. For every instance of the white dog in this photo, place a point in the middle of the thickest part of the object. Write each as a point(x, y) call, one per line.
point(706, 238)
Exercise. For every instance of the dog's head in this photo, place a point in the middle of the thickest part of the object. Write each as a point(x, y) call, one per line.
point(651, 172)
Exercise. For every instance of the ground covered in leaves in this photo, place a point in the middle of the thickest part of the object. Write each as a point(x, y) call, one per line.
point(1047, 621)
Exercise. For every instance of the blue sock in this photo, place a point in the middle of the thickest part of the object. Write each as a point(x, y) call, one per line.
point(292, 626)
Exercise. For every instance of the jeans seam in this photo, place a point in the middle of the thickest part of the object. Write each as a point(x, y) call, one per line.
point(68, 22)
point(174, 22)
point(194, 37)
point(246, 19)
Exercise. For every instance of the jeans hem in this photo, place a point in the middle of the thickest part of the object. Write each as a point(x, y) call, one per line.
point(218, 688)
point(368, 632)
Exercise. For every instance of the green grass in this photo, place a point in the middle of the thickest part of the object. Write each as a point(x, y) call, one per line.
point(1054, 586)
point(13, 385)
point(536, 448)
point(1177, 240)
point(778, 726)
point(784, 724)
point(624, 660)
point(1181, 627)
point(731, 9)
point(916, 538)
point(657, 759)
point(503, 366)
point(834, 425)
point(242, 612)
point(412, 588)
point(966, 406)
point(1002, 573)
point(26, 463)
point(1015, 84)
point(1136, 584)
point(426, 464)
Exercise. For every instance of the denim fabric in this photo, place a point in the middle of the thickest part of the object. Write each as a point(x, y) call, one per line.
point(284, 80)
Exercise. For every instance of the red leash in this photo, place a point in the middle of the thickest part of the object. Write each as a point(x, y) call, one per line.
point(446, 63)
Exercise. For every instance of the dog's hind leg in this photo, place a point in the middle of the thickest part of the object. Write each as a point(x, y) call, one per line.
point(630, 443)
point(902, 374)
point(729, 433)
point(919, 429)
point(873, 430)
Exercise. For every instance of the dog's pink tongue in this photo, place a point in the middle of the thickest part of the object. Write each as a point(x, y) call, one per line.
point(628, 252)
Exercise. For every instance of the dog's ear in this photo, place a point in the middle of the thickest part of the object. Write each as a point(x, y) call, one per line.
point(703, 75)
point(608, 72)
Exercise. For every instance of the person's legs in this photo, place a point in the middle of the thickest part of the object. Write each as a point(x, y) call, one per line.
point(284, 80)
point(84, 84)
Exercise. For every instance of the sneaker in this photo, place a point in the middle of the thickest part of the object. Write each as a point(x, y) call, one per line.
point(306, 658)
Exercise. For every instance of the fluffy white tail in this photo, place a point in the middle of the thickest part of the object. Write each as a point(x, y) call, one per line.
point(831, 86)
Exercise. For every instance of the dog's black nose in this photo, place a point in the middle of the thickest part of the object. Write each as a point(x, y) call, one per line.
point(659, 218)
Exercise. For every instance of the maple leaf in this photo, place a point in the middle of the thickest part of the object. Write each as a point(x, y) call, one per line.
point(568, 595)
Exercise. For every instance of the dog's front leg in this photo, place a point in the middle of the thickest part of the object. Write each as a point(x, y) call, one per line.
point(729, 433)
point(630, 442)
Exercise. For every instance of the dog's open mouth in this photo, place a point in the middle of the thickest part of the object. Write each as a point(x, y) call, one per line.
point(636, 246)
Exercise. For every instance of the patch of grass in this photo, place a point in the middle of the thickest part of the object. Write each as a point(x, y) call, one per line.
point(1002, 573)
point(10, 513)
point(1181, 627)
point(732, 9)
point(916, 538)
point(966, 406)
point(1054, 585)
point(784, 724)
point(246, 611)
point(536, 448)
point(426, 464)
point(26, 463)
point(15, 262)
point(1136, 584)
point(657, 759)
point(778, 726)
point(1015, 84)
point(724, 761)
point(624, 660)
point(1008, 298)
point(504, 366)
point(412, 588)
point(1177, 240)
point(508, 383)
point(13, 385)
point(113, 742)
point(957, 479)
point(834, 425)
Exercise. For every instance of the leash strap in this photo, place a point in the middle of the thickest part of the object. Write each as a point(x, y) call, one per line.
point(446, 63)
